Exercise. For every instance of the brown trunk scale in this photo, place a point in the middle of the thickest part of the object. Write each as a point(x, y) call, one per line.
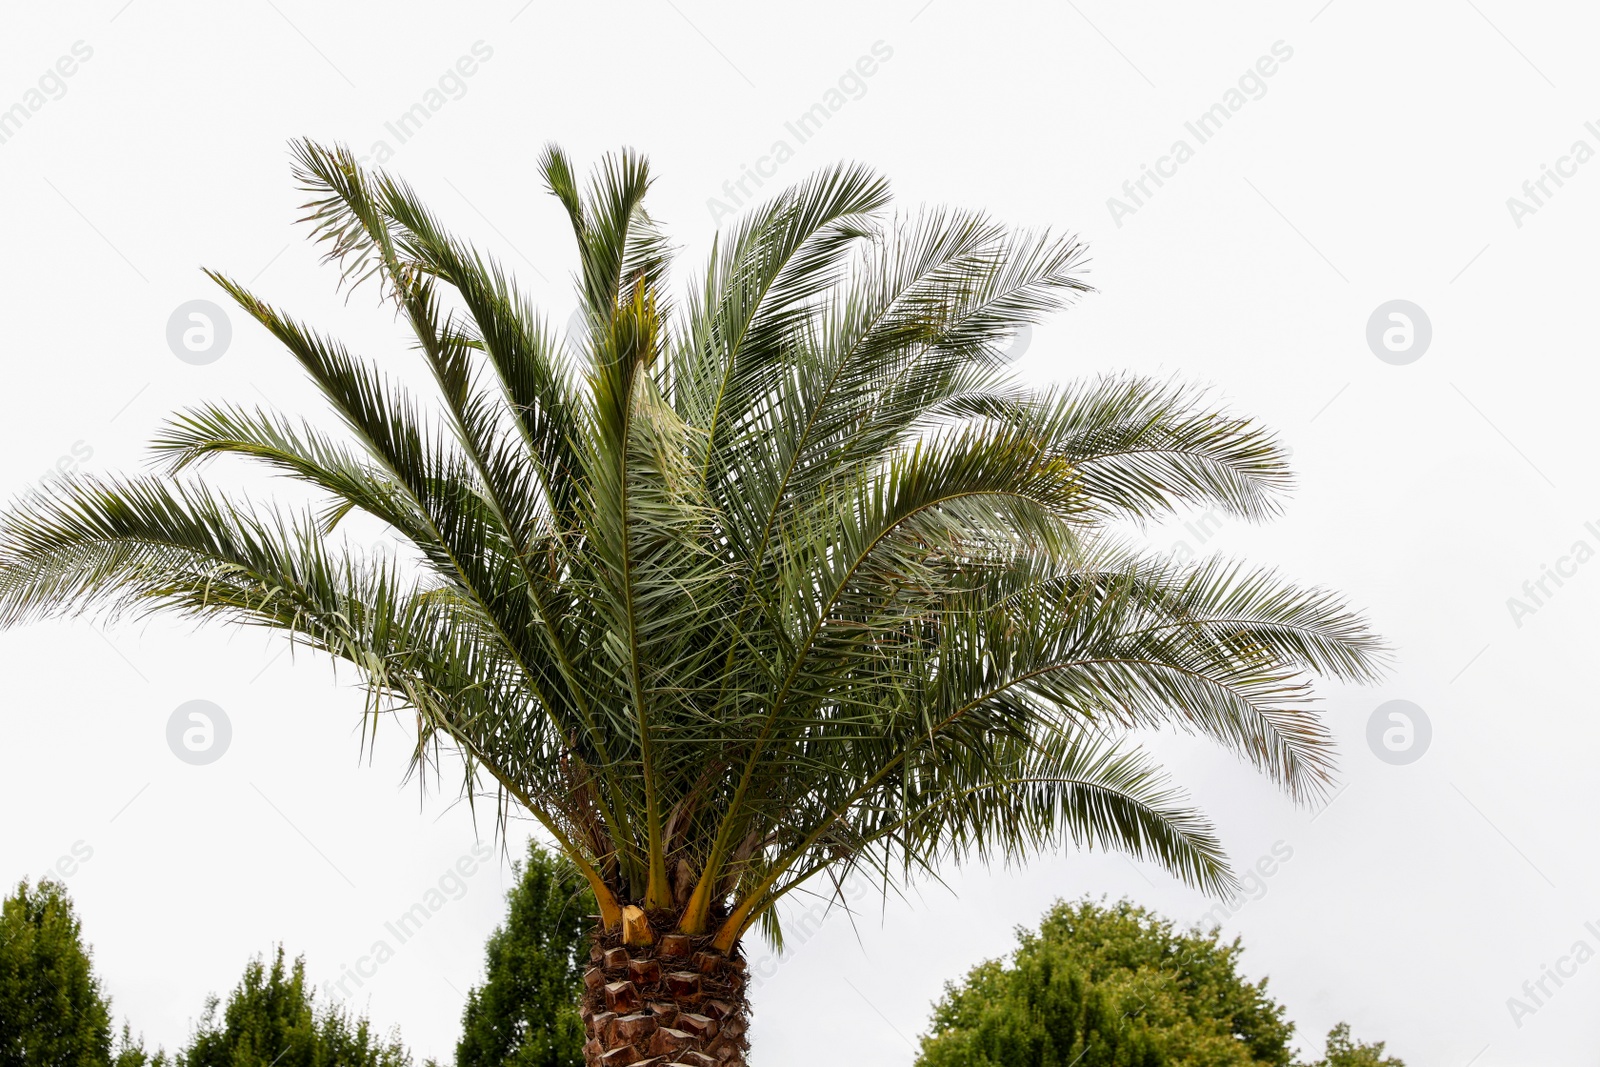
point(675, 1002)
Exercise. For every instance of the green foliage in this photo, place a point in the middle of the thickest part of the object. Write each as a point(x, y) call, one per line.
point(525, 1013)
point(270, 1019)
point(1115, 986)
point(130, 1052)
point(1343, 1051)
point(1118, 986)
point(52, 1013)
point(748, 586)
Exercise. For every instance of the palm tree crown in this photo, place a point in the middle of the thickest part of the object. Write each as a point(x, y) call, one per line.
point(783, 576)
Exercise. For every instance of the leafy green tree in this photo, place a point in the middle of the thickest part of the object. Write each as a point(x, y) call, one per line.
point(1344, 1051)
point(525, 1013)
point(52, 1013)
point(1100, 986)
point(130, 1051)
point(270, 1018)
point(740, 589)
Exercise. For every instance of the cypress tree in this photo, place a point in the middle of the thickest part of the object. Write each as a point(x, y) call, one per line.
point(525, 1014)
point(52, 1013)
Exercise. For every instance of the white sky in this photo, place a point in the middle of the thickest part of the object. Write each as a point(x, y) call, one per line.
point(1376, 166)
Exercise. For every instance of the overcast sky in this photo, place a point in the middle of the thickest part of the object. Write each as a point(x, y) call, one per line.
point(1336, 159)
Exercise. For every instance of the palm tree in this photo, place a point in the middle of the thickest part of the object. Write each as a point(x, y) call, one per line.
point(777, 581)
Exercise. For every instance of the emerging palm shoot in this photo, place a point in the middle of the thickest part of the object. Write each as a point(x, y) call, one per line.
point(743, 589)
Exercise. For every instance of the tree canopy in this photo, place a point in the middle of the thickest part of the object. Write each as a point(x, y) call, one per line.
point(1116, 985)
point(52, 1012)
point(1345, 1051)
point(271, 1019)
point(525, 1013)
point(1106, 987)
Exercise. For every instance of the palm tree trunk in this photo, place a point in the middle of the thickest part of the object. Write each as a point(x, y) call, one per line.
point(677, 1001)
